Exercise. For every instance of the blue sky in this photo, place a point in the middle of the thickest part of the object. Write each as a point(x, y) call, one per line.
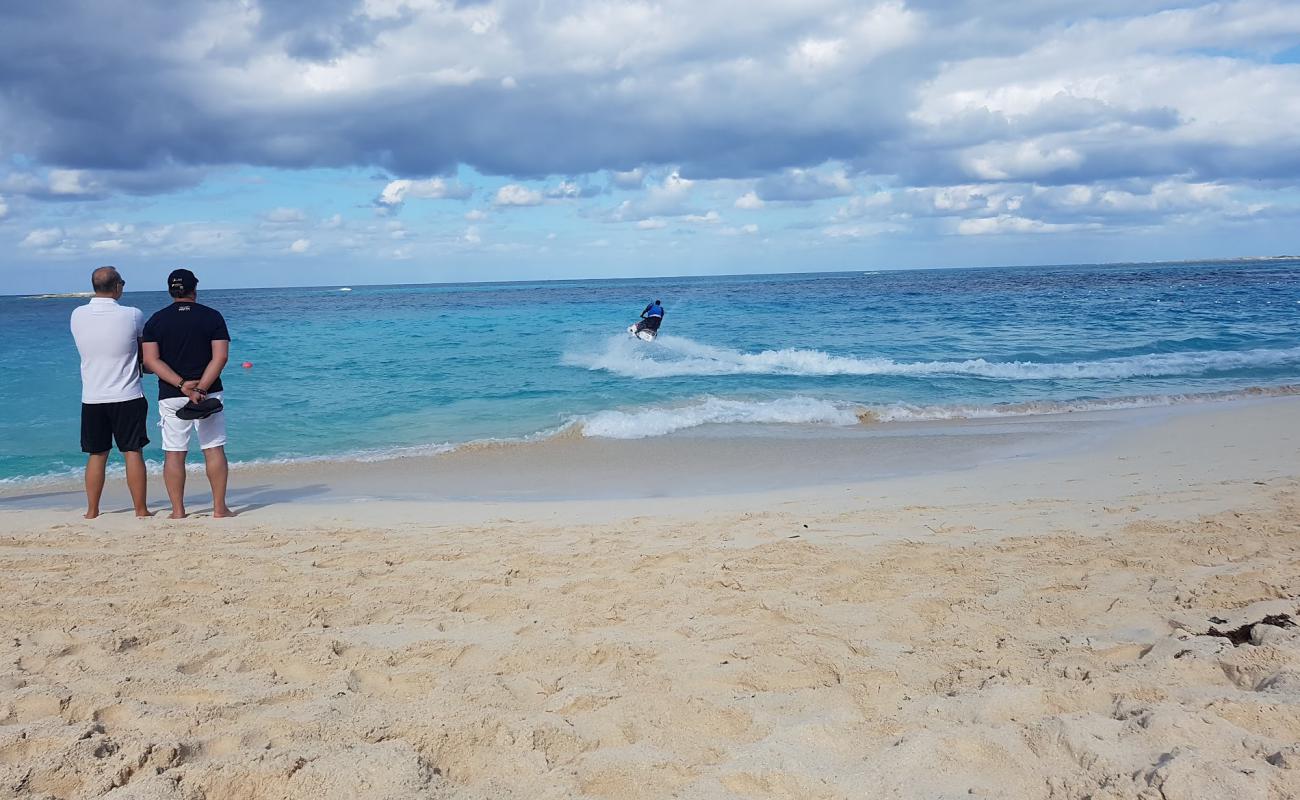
point(284, 142)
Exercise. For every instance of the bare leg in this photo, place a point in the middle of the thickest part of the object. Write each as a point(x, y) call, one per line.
point(174, 478)
point(137, 480)
point(95, 465)
point(214, 460)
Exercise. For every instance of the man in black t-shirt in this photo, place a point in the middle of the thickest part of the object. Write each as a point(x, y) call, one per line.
point(187, 345)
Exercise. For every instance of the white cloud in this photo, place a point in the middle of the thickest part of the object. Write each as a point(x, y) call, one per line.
point(670, 198)
point(861, 230)
point(109, 245)
point(300, 246)
point(472, 235)
point(399, 191)
point(42, 238)
point(1001, 162)
point(974, 118)
point(571, 190)
point(70, 182)
point(811, 54)
point(874, 204)
point(710, 218)
point(1007, 223)
point(512, 194)
point(4, 208)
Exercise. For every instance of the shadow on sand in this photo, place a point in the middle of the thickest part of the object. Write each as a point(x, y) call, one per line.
point(18, 499)
point(252, 498)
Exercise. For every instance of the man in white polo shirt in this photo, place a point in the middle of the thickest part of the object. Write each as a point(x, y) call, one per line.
point(112, 402)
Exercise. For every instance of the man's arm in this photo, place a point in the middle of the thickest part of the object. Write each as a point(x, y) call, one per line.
point(645, 311)
point(220, 355)
point(154, 363)
point(139, 340)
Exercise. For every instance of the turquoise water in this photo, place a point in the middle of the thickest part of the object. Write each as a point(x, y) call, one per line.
point(379, 371)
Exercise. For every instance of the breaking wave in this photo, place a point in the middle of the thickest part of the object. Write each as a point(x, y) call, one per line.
point(672, 356)
point(661, 420)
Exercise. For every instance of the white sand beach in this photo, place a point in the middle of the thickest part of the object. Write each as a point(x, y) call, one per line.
point(1031, 627)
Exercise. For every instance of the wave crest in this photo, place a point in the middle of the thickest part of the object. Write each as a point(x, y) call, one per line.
point(672, 356)
point(661, 420)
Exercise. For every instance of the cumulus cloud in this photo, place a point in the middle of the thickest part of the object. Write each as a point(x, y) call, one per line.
point(399, 191)
point(513, 194)
point(572, 190)
point(292, 84)
point(962, 111)
point(41, 238)
point(300, 246)
point(1007, 223)
point(669, 198)
point(709, 218)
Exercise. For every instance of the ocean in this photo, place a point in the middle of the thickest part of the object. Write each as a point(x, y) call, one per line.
point(384, 371)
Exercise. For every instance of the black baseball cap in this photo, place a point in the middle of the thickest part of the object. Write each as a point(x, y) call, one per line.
point(183, 280)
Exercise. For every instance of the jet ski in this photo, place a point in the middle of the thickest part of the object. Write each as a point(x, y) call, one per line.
point(642, 332)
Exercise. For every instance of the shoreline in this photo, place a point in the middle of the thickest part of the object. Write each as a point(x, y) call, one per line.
point(708, 461)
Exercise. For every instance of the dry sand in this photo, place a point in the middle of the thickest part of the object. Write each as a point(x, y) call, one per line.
point(1032, 629)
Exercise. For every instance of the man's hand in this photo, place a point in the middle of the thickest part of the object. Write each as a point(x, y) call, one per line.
point(190, 390)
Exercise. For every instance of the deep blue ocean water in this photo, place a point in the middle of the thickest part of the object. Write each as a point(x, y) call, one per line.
point(376, 371)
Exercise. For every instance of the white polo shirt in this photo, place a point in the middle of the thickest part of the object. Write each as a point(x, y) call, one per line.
point(108, 339)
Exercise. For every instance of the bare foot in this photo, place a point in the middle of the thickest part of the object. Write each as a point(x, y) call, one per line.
point(222, 513)
point(143, 512)
point(176, 515)
point(91, 513)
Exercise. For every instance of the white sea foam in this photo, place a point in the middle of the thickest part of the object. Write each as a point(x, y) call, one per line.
point(661, 420)
point(671, 356)
point(906, 412)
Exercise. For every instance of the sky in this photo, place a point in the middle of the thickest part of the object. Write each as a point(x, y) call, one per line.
point(320, 142)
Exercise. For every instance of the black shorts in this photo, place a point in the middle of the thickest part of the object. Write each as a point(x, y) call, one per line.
point(101, 423)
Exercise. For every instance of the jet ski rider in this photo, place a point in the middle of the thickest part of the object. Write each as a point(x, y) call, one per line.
point(651, 317)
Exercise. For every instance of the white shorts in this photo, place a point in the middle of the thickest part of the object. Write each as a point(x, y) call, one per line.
point(176, 431)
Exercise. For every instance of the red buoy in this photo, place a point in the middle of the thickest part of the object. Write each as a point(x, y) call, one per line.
point(248, 365)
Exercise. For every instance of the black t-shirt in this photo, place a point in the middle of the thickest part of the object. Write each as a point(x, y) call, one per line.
point(184, 332)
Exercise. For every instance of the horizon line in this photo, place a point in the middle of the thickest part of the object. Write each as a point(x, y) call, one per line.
point(1171, 262)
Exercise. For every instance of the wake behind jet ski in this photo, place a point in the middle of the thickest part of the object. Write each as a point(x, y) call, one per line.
point(648, 328)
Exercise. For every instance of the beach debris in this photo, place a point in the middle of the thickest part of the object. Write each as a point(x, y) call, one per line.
point(1241, 634)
